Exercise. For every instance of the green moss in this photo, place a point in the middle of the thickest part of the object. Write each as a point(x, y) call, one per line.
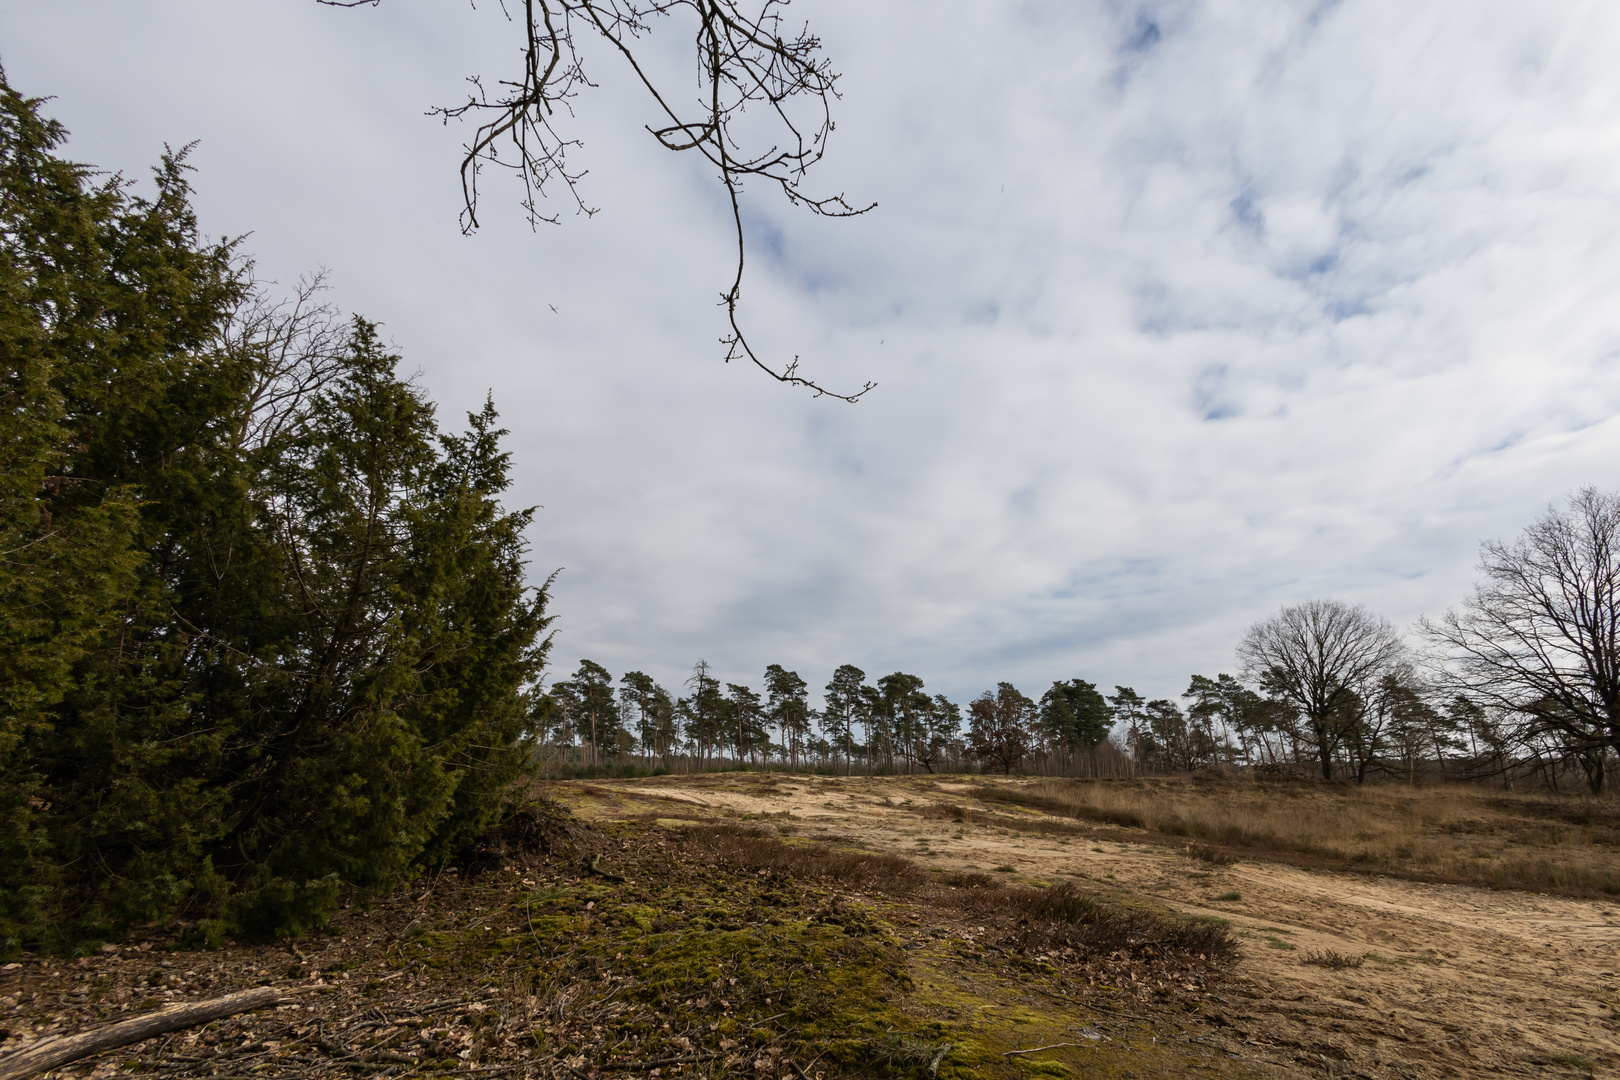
point(717, 957)
point(690, 956)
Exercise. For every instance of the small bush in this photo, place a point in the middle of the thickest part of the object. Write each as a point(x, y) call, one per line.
point(1331, 959)
point(1212, 856)
point(1232, 895)
point(970, 881)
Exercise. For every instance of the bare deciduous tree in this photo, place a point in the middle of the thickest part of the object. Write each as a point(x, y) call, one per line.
point(1540, 638)
point(747, 56)
point(293, 347)
point(1323, 657)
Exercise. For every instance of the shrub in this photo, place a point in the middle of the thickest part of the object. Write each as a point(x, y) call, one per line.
point(1331, 959)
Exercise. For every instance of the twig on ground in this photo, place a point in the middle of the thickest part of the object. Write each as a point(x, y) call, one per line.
point(657, 1063)
point(593, 868)
point(1038, 1049)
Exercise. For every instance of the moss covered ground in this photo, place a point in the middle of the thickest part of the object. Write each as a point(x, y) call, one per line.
point(600, 942)
point(731, 952)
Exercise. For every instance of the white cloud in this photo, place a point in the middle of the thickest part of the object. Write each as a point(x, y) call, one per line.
point(1180, 311)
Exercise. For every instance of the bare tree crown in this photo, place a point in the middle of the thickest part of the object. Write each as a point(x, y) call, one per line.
point(747, 56)
point(1323, 657)
point(1316, 650)
point(1540, 637)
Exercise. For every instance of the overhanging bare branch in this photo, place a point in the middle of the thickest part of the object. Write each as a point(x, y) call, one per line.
point(747, 56)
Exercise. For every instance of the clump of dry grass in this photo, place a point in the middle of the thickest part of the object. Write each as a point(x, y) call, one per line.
point(969, 816)
point(1065, 916)
point(1453, 833)
point(740, 846)
point(1211, 856)
point(1331, 959)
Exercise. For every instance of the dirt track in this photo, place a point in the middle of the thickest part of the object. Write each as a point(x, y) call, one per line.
point(1455, 980)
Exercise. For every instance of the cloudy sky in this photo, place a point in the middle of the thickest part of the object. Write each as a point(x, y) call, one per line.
point(1180, 312)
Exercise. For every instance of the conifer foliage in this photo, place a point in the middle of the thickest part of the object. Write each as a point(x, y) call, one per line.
point(244, 665)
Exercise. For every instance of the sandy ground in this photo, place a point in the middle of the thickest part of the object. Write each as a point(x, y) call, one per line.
point(1455, 980)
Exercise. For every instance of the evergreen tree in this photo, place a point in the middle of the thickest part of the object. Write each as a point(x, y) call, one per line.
point(1128, 708)
point(1074, 716)
point(704, 712)
point(599, 714)
point(901, 702)
point(787, 705)
point(638, 698)
point(844, 703)
point(1171, 749)
point(1220, 706)
point(662, 726)
point(239, 673)
point(943, 718)
point(567, 709)
point(746, 722)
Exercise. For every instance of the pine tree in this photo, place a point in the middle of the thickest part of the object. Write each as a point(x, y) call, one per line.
point(844, 703)
point(599, 714)
point(705, 712)
point(787, 704)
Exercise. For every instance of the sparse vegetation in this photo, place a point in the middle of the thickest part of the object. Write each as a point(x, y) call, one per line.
point(1576, 1061)
point(609, 945)
point(1330, 959)
point(1456, 833)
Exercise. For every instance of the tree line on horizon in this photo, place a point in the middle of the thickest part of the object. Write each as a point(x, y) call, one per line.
point(892, 725)
point(1522, 680)
point(586, 723)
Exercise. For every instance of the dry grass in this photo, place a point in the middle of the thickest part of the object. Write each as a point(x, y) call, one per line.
point(1461, 834)
point(970, 816)
point(1331, 959)
point(1061, 917)
point(750, 849)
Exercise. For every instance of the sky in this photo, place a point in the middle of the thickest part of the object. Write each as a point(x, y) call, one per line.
point(1179, 312)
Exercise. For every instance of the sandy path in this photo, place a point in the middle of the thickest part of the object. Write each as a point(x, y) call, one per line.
point(1459, 981)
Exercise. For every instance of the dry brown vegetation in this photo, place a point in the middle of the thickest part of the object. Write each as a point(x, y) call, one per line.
point(1464, 834)
point(564, 949)
point(1453, 980)
point(924, 927)
point(1056, 917)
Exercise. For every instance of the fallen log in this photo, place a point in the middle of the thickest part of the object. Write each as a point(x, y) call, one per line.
point(59, 1050)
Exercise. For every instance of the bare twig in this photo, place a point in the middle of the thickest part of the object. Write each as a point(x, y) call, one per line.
point(657, 1063)
point(747, 57)
point(1038, 1049)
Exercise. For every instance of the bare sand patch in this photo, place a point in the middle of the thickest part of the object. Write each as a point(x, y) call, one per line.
point(1454, 980)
